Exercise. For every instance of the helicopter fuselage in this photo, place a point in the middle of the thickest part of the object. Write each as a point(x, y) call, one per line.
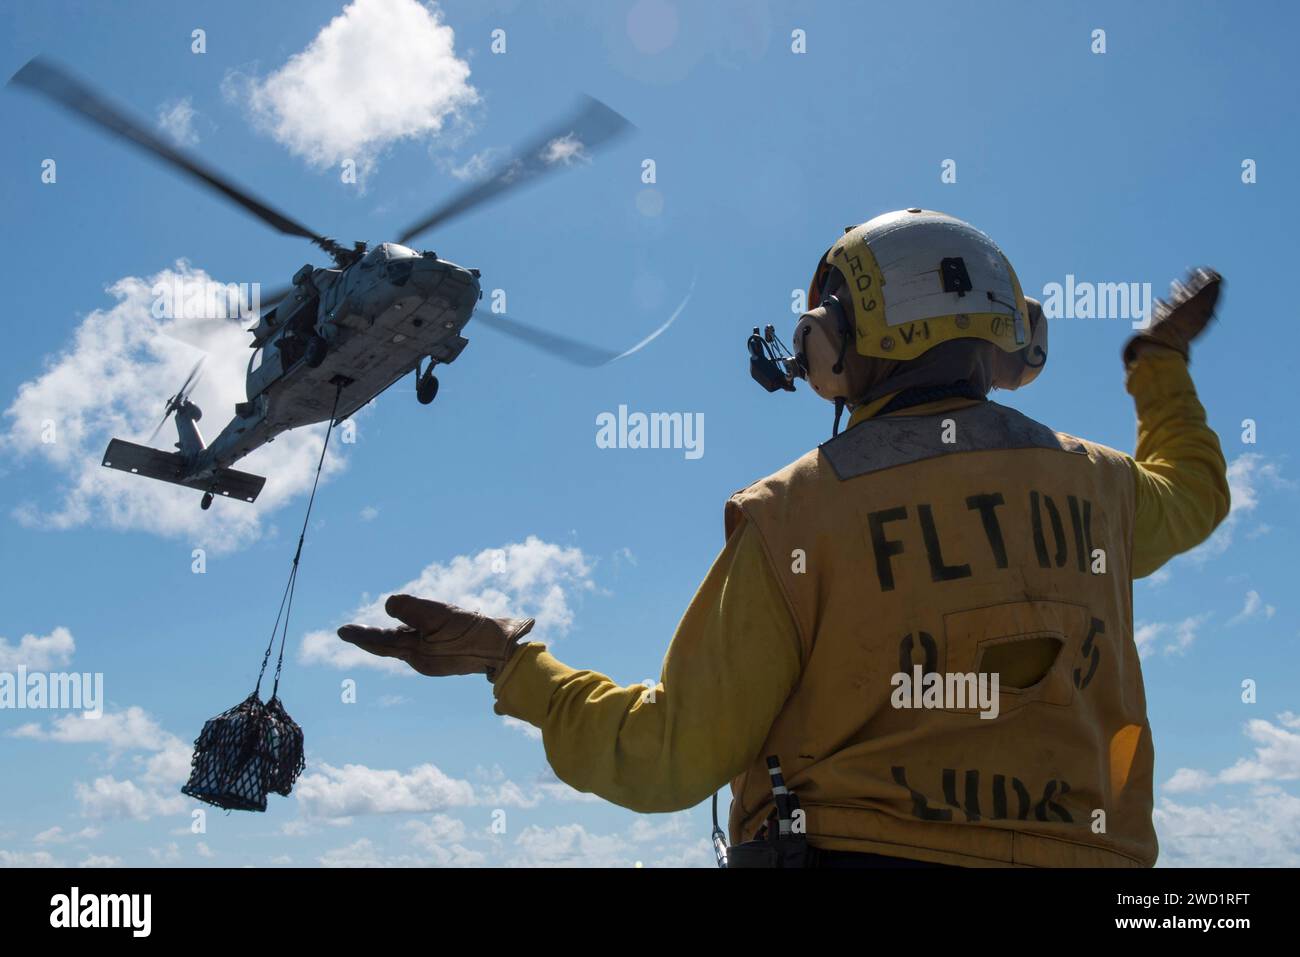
point(343, 335)
point(364, 327)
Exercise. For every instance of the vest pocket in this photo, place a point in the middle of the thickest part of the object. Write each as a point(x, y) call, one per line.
point(1029, 645)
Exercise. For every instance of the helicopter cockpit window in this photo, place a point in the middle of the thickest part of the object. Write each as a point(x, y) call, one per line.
point(375, 257)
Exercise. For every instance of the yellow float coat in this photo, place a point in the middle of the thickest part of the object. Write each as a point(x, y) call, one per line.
point(955, 538)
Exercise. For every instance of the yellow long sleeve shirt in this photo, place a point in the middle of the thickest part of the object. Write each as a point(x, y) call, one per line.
point(736, 655)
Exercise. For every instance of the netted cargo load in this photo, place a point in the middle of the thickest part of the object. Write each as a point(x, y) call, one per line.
point(244, 753)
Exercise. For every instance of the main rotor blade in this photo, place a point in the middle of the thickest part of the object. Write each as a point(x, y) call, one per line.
point(571, 350)
point(562, 347)
point(591, 125)
point(52, 81)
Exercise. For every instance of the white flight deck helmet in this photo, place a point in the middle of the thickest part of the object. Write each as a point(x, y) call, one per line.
point(915, 278)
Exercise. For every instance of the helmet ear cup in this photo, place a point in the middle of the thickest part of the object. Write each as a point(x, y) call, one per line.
point(1014, 370)
point(817, 345)
point(824, 345)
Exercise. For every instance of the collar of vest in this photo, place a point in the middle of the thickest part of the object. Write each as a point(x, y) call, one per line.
point(893, 440)
point(963, 392)
point(925, 394)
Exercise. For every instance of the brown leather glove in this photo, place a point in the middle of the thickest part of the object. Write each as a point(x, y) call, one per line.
point(439, 640)
point(1176, 323)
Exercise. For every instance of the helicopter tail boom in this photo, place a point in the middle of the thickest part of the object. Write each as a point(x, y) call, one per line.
point(173, 467)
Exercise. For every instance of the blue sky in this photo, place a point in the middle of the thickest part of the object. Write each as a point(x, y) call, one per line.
point(1122, 166)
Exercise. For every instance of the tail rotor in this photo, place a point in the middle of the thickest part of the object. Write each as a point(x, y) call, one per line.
point(180, 399)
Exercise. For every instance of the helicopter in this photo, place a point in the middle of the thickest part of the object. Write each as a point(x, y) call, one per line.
point(338, 336)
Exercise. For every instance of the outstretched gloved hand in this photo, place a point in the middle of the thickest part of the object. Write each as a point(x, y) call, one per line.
point(438, 640)
point(1176, 323)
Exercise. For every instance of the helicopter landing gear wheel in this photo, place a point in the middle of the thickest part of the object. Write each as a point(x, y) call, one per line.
point(426, 387)
point(205, 503)
point(316, 350)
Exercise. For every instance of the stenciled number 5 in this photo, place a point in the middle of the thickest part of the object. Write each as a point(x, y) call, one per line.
point(1090, 652)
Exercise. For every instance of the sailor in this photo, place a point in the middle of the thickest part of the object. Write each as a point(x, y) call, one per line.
point(939, 531)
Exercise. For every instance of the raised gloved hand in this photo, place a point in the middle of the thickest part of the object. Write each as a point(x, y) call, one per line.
point(1176, 323)
point(437, 639)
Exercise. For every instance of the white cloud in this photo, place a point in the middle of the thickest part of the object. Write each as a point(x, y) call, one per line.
point(442, 838)
point(1277, 754)
point(38, 652)
point(160, 771)
point(100, 860)
point(523, 727)
point(1254, 606)
point(556, 790)
point(334, 794)
point(565, 151)
point(1248, 475)
point(659, 827)
point(26, 859)
point(1189, 779)
point(570, 845)
point(699, 853)
point(440, 829)
point(1185, 634)
point(171, 854)
point(532, 578)
point(364, 853)
point(111, 798)
point(498, 791)
point(57, 835)
point(1277, 758)
point(1263, 831)
point(356, 789)
point(477, 167)
point(379, 72)
point(444, 841)
point(1182, 634)
point(176, 119)
point(132, 729)
point(369, 513)
point(113, 380)
point(1160, 576)
point(1145, 634)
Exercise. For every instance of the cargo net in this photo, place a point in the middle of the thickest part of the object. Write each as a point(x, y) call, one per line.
point(244, 753)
